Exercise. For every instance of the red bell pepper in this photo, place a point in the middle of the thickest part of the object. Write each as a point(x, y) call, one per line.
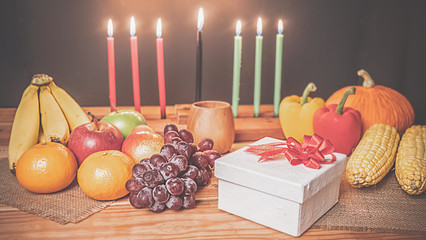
point(340, 125)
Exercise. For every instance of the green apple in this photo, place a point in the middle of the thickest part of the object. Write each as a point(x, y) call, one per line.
point(125, 120)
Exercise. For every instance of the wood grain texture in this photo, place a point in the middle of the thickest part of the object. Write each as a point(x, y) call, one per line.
point(125, 222)
point(214, 120)
point(247, 128)
point(122, 221)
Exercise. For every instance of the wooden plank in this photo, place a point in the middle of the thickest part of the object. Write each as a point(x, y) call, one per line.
point(5, 128)
point(3, 151)
point(121, 220)
point(247, 128)
point(7, 114)
point(244, 111)
point(203, 222)
point(182, 112)
point(251, 129)
point(149, 112)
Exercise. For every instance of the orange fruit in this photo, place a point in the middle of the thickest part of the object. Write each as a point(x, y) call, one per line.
point(46, 168)
point(103, 175)
point(142, 145)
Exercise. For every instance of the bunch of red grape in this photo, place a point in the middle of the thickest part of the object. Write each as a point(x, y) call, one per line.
point(171, 179)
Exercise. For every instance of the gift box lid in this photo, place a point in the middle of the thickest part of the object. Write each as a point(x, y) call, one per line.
point(278, 177)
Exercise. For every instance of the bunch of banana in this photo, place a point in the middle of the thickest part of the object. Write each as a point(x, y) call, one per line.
point(46, 113)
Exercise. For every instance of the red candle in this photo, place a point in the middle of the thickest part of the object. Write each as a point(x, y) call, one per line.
point(160, 71)
point(135, 65)
point(111, 67)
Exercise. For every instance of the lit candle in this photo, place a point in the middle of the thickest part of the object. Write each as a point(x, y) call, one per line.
point(160, 70)
point(278, 67)
point(199, 56)
point(238, 43)
point(258, 68)
point(111, 67)
point(135, 65)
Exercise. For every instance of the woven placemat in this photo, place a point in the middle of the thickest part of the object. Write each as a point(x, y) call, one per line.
point(68, 205)
point(381, 208)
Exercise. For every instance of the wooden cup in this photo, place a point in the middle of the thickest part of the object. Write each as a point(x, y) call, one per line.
point(214, 120)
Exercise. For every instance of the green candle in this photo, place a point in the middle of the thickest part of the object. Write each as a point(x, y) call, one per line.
point(238, 43)
point(258, 68)
point(278, 67)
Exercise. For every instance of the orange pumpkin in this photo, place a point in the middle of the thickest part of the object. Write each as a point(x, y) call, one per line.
point(377, 104)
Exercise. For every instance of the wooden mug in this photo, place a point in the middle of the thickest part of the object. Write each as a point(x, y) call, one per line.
point(214, 120)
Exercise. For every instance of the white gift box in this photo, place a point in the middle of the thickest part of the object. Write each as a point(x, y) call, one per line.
point(275, 193)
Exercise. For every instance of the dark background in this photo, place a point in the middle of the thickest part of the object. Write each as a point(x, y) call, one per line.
point(325, 41)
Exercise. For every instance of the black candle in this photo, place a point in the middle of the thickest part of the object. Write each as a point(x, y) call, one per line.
point(199, 56)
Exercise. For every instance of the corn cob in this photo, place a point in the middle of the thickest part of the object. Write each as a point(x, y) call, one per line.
point(410, 165)
point(373, 157)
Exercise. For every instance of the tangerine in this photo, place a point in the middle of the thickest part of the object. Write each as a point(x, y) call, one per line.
point(46, 168)
point(103, 175)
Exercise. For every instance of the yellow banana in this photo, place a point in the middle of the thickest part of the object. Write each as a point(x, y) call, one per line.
point(41, 138)
point(53, 121)
point(72, 111)
point(26, 124)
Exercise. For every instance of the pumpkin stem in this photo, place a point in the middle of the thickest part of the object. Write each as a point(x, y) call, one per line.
point(339, 108)
point(368, 81)
point(310, 88)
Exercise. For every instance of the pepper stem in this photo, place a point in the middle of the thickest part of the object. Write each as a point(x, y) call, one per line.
point(310, 88)
point(94, 120)
point(350, 91)
point(368, 81)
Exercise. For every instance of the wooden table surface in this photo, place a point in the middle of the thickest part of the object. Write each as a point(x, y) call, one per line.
point(205, 221)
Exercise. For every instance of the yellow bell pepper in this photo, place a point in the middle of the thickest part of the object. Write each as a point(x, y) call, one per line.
point(296, 113)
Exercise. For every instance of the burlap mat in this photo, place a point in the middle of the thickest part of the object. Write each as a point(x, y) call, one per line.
point(381, 208)
point(68, 205)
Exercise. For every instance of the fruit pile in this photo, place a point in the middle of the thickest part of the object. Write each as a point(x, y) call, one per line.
point(171, 179)
point(163, 171)
point(45, 113)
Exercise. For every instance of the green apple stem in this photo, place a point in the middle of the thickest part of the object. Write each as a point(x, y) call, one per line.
point(114, 107)
point(94, 120)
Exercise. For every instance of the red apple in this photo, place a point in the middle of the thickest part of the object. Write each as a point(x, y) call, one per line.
point(94, 137)
point(142, 128)
point(142, 145)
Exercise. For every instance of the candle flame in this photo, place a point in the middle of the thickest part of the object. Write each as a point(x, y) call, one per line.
point(280, 27)
point(259, 26)
point(110, 33)
point(159, 28)
point(200, 19)
point(132, 27)
point(238, 28)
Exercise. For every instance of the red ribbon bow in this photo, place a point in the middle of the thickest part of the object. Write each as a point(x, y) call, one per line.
point(311, 152)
